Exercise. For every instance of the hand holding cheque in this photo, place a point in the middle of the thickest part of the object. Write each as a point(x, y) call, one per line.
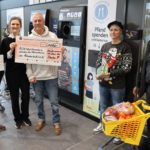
point(43, 51)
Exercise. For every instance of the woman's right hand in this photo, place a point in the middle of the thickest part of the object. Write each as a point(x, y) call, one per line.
point(12, 46)
point(102, 76)
point(33, 80)
point(136, 91)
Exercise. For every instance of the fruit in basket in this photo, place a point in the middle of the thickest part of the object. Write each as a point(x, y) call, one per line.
point(111, 111)
point(124, 110)
point(129, 116)
point(126, 107)
point(122, 115)
point(111, 114)
point(111, 118)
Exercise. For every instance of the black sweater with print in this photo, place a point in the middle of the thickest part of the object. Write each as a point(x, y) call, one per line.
point(120, 67)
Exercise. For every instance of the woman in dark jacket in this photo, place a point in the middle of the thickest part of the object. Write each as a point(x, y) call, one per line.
point(16, 75)
point(143, 79)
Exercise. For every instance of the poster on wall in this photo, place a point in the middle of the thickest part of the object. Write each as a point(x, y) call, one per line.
point(42, 1)
point(36, 1)
point(31, 2)
point(19, 12)
point(68, 72)
point(100, 13)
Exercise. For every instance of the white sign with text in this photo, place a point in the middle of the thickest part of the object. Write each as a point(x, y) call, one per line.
point(1, 63)
point(43, 51)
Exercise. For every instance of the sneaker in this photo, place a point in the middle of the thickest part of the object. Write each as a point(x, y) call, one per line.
point(117, 141)
point(40, 125)
point(2, 108)
point(98, 129)
point(27, 122)
point(57, 129)
point(18, 125)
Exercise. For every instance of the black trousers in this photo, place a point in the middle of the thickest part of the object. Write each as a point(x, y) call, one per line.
point(18, 81)
point(1, 75)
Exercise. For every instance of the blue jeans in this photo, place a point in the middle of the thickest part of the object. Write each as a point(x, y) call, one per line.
point(51, 87)
point(109, 97)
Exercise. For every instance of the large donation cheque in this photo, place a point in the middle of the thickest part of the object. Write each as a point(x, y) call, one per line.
point(1, 63)
point(43, 51)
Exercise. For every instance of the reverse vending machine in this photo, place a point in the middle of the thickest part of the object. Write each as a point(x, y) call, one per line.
point(72, 28)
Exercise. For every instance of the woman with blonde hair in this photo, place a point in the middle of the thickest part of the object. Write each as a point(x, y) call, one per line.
point(16, 75)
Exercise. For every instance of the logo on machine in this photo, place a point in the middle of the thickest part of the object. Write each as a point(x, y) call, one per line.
point(61, 16)
point(75, 15)
point(101, 11)
point(70, 15)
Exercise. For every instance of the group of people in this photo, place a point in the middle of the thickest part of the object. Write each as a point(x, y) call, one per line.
point(114, 62)
point(19, 76)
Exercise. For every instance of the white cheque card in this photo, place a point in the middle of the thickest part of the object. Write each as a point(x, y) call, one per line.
point(43, 51)
point(1, 63)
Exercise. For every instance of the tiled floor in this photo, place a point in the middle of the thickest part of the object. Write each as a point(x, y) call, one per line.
point(77, 132)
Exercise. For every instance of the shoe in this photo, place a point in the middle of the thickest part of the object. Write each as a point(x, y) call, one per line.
point(18, 125)
point(57, 129)
point(117, 141)
point(27, 122)
point(2, 108)
point(98, 129)
point(32, 95)
point(39, 125)
point(2, 128)
point(7, 94)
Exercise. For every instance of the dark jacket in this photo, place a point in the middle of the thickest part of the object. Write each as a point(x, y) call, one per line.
point(143, 76)
point(11, 66)
point(131, 76)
